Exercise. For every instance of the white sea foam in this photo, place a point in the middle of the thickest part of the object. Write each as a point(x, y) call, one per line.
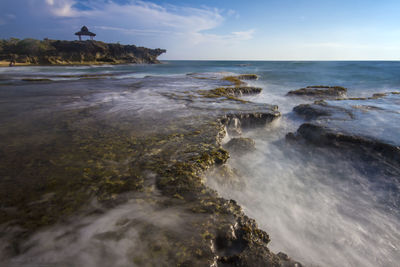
point(118, 237)
point(318, 208)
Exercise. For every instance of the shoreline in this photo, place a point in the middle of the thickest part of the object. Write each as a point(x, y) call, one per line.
point(5, 64)
point(164, 170)
point(178, 168)
point(57, 52)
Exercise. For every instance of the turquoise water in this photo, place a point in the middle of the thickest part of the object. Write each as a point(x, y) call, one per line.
point(321, 210)
point(357, 76)
point(362, 78)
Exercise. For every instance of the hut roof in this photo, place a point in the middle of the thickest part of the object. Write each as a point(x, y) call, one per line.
point(85, 31)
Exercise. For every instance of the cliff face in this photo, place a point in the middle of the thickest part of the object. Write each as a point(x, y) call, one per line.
point(48, 52)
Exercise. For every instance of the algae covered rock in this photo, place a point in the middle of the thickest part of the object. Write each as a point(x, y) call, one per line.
point(234, 91)
point(228, 177)
point(123, 183)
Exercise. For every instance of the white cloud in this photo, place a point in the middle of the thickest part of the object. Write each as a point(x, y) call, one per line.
point(186, 24)
point(62, 8)
point(186, 32)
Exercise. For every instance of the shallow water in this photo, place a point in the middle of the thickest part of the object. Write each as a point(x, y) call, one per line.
point(319, 206)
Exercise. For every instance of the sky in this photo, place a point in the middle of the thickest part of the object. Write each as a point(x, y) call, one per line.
point(220, 29)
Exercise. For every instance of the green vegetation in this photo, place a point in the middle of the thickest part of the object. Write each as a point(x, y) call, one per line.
point(239, 88)
point(46, 52)
point(233, 79)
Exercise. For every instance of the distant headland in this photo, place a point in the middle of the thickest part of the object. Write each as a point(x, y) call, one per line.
point(55, 52)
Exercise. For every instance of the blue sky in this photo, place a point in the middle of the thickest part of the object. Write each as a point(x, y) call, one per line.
point(220, 29)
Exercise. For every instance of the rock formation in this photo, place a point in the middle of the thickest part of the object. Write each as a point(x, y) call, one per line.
point(55, 52)
point(320, 91)
point(348, 123)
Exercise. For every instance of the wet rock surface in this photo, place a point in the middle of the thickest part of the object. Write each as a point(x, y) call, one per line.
point(363, 130)
point(321, 109)
point(325, 136)
point(240, 145)
point(236, 114)
point(75, 168)
point(233, 91)
point(248, 77)
point(237, 121)
point(320, 91)
point(366, 122)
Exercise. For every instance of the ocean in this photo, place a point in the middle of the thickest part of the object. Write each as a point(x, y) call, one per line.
point(322, 207)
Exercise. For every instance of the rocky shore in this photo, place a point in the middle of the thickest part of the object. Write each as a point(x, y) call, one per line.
point(347, 123)
point(56, 52)
point(92, 165)
point(101, 178)
point(362, 130)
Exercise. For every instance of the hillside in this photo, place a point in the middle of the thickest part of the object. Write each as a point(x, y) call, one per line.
point(56, 52)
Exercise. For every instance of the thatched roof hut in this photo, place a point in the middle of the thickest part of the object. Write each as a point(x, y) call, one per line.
point(85, 32)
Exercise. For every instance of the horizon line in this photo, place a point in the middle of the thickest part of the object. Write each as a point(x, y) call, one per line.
point(283, 60)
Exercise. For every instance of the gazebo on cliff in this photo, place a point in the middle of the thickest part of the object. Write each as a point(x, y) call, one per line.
point(85, 32)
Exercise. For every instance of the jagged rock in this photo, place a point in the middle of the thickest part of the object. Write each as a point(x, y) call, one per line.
point(237, 121)
point(240, 145)
point(238, 114)
point(235, 91)
point(320, 91)
point(158, 166)
point(325, 136)
point(347, 123)
point(233, 126)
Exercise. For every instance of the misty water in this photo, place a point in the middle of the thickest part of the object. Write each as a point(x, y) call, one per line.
point(322, 207)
